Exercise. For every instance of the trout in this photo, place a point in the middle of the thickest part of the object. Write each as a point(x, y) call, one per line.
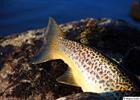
point(88, 68)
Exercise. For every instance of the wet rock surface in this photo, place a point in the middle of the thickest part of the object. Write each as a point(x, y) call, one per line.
point(21, 80)
point(83, 96)
point(131, 60)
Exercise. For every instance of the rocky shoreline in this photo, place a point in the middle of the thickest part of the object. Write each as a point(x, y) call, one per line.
point(21, 80)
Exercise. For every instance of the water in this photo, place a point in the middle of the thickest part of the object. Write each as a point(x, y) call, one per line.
point(21, 15)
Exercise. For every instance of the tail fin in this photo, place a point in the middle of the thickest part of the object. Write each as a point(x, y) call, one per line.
point(51, 43)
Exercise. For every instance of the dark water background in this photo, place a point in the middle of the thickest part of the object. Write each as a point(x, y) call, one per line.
point(21, 15)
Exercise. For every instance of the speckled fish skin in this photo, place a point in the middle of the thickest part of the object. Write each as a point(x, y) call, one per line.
point(96, 72)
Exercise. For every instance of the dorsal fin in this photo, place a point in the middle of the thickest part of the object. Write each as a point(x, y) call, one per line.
point(54, 31)
point(50, 44)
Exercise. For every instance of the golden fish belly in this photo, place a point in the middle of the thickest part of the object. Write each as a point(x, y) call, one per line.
point(88, 68)
point(98, 73)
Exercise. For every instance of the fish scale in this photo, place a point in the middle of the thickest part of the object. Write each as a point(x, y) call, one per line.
point(89, 68)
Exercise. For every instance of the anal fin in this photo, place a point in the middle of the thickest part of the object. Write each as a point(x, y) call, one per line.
point(67, 78)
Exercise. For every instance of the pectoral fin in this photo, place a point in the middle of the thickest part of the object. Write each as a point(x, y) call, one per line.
point(67, 78)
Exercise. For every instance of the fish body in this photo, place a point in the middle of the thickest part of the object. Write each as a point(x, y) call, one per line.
point(88, 68)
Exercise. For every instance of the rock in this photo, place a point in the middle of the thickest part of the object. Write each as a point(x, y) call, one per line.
point(132, 60)
point(135, 10)
point(113, 24)
point(83, 96)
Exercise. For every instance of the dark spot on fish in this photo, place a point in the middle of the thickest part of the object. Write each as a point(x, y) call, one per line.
point(83, 53)
point(96, 56)
point(95, 81)
point(101, 72)
point(101, 81)
point(108, 62)
point(84, 66)
point(92, 66)
point(117, 86)
point(88, 68)
point(98, 69)
point(86, 60)
point(106, 77)
point(105, 89)
point(95, 67)
point(111, 89)
point(91, 71)
point(89, 63)
point(107, 84)
point(100, 56)
point(113, 71)
point(96, 63)
point(102, 60)
point(88, 55)
point(97, 76)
